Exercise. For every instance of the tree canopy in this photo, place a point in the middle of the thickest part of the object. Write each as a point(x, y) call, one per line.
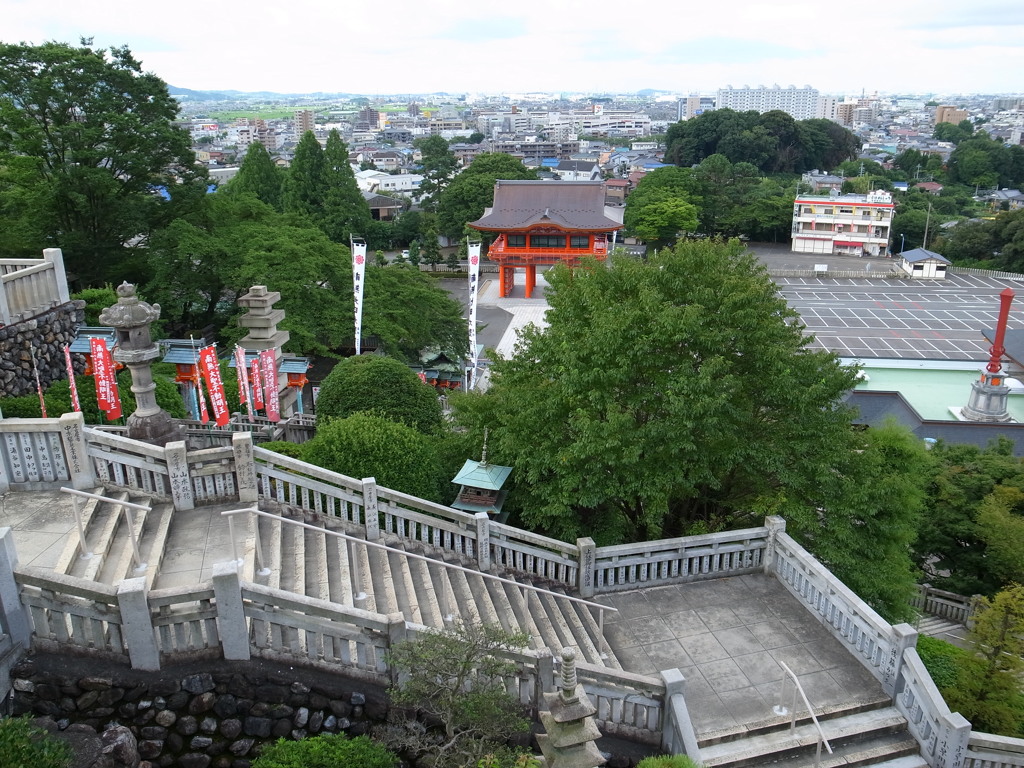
point(472, 190)
point(90, 160)
point(383, 386)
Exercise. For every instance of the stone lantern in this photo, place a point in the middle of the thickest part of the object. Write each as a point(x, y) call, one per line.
point(131, 318)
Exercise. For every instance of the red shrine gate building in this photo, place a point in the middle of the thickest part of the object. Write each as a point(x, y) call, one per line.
point(547, 222)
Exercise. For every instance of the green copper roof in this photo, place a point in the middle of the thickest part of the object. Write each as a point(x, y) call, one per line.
point(487, 476)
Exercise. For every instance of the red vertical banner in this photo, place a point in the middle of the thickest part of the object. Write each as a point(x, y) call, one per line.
point(71, 379)
point(269, 366)
point(103, 371)
point(243, 381)
point(257, 384)
point(204, 414)
point(210, 367)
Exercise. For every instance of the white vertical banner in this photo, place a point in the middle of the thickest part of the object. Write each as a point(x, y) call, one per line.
point(474, 284)
point(358, 274)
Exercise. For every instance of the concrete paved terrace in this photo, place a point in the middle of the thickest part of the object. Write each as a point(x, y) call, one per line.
point(727, 636)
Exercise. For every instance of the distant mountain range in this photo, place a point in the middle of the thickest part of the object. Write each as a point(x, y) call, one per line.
point(230, 95)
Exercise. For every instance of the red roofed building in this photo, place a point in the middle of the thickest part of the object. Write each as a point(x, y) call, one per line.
point(547, 222)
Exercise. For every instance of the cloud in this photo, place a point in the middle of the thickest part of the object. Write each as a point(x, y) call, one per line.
point(479, 30)
point(733, 50)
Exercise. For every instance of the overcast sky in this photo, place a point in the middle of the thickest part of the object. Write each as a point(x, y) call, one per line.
point(422, 46)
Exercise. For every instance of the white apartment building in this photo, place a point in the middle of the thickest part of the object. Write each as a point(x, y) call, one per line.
point(801, 103)
point(847, 225)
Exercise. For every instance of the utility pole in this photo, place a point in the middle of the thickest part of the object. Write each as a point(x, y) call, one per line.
point(927, 221)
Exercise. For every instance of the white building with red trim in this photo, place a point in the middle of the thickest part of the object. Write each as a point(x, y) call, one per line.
point(843, 225)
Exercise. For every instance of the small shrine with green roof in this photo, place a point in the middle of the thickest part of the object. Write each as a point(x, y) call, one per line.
point(480, 486)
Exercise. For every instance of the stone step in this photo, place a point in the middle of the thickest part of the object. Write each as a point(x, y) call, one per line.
point(774, 745)
point(293, 558)
point(593, 630)
point(934, 626)
point(89, 509)
point(105, 525)
point(366, 597)
point(339, 570)
point(581, 636)
point(524, 617)
point(271, 533)
point(317, 582)
point(154, 539)
point(430, 608)
point(405, 587)
point(120, 561)
point(888, 748)
point(383, 582)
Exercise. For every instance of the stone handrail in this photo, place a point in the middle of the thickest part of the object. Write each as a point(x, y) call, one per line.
point(689, 558)
point(941, 734)
point(33, 454)
point(988, 750)
point(874, 642)
point(29, 287)
point(948, 605)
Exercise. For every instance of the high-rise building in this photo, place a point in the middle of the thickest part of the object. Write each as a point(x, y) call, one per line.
point(949, 114)
point(800, 103)
point(304, 121)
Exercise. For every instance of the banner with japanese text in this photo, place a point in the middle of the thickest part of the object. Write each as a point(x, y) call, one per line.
point(257, 384)
point(474, 284)
point(270, 391)
point(358, 274)
point(105, 375)
point(210, 367)
point(71, 379)
point(243, 381)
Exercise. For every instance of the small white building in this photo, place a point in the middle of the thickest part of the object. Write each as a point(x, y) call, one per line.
point(843, 225)
point(924, 264)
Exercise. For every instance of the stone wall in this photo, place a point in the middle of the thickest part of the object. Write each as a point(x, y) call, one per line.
point(212, 714)
point(46, 334)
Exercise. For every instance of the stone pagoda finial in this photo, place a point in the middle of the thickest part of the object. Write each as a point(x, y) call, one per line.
point(569, 676)
point(571, 732)
point(483, 452)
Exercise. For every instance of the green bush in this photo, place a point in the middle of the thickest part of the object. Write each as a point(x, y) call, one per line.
point(291, 450)
point(329, 751)
point(668, 761)
point(24, 745)
point(940, 659)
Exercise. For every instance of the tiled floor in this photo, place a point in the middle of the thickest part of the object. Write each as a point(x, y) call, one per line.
point(729, 638)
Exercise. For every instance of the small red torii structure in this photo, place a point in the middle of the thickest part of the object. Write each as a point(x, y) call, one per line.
point(546, 222)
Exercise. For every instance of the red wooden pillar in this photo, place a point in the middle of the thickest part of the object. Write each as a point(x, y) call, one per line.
point(531, 279)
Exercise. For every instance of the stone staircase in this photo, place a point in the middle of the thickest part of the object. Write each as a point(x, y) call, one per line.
point(868, 734)
point(110, 544)
point(936, 626)
point(326, 567)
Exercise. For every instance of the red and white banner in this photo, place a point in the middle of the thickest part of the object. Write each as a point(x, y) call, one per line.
point(243, 381)
point(269, 366)
point(210, 367)
point(103, 371)
point(358, 274)
point(257, 384)
point(71, 379)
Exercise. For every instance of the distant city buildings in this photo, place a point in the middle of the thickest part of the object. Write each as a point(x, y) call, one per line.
point(801, 103)
point(949, 114)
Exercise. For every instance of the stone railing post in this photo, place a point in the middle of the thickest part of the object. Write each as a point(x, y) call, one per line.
point(177, 471)
point(72, 436)
point(14, 618)
point(371, 520)
point(137, 624)
point(245, 467)
point(675, 717)
point(585, 578)
point(775, 526)
point(483, 541)
point(231, 626)
point(904, 636)
point(951, 745)
point(56, 257)
point(5, 306)
point(397, 633)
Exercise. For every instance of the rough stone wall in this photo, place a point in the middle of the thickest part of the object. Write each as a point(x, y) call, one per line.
point(212, 714)
point(46, 334)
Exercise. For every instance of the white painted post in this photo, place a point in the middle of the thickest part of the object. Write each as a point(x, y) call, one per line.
point(137, 624)
point(775, 526)
point(76, 452)
point(483, 541)
point(56, 257)
point(13, 615)
point(231, 624)
point(177, 471)
point(245, 467)
point(370, 517)
point(587, 549)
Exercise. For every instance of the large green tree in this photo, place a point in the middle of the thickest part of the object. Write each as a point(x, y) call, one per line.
point(472, 190)
point(86, 142)
point(438, 165)
point(259, 176)
point(306, 185)
point(345, 211)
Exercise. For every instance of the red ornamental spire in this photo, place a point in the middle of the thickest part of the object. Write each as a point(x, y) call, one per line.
point(997, 350)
